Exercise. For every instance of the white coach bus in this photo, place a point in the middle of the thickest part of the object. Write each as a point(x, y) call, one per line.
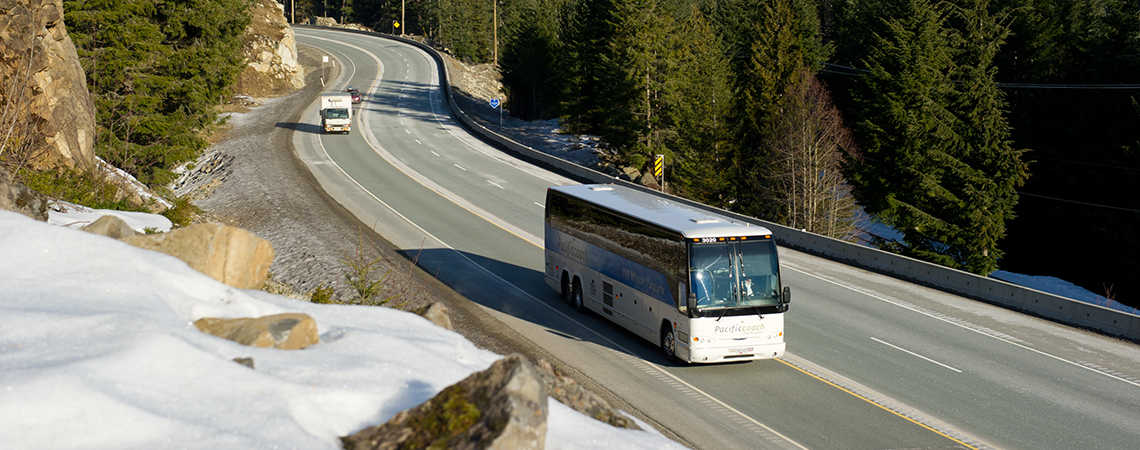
point(704, 287)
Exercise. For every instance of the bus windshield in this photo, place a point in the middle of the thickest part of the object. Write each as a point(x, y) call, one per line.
point(336, 113)
point(730, 275)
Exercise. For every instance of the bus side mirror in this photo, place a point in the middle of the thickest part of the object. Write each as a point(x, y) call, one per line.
point(691, 302)
point(787, 297)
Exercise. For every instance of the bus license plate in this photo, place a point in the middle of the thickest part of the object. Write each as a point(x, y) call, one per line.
point(740, 351)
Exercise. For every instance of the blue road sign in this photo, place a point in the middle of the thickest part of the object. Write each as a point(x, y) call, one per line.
point(494, 103)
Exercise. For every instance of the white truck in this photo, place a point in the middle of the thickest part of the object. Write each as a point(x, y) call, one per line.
point(336, 113)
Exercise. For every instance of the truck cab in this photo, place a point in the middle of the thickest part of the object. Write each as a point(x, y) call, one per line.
point(336, 113)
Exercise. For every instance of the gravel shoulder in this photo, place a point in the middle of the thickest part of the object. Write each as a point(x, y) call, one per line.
point(251, 178)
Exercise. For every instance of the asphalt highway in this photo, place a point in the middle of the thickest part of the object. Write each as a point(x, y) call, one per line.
point(872, 362)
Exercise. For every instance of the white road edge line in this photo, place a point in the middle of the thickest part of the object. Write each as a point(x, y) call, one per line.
point(888, 344)
point(659, 369)
point(983, 333)
point(540, 205)
point(420, 178)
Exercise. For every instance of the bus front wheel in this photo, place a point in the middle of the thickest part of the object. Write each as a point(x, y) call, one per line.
point(668, 343)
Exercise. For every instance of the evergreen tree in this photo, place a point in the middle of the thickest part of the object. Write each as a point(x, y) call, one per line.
point(991, 170)
point(777, 57)
point(698, 98)
point(937, 160)
point(529, 67)
point(906, 132)
point(640, 55)
point(588, 82)
point(156, 71)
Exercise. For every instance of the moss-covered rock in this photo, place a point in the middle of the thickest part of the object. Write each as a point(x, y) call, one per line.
point(503, 407)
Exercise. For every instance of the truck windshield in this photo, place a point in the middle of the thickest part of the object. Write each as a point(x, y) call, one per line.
point(734, 275)
point(336, 113)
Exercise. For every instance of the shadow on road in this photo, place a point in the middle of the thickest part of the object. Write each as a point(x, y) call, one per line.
point(522, 292)
point(300, 127)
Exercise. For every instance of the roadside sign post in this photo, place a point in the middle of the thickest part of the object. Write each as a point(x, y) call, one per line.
point(659, 169)
point(495, 105)
point(395, 26)
point(324, 69)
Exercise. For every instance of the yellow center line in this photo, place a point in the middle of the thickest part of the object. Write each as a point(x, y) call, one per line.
point(877, 404)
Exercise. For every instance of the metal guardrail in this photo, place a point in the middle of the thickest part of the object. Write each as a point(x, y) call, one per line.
point(1030, 301)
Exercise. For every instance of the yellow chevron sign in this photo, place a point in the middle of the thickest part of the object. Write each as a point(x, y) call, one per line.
point(659, 165)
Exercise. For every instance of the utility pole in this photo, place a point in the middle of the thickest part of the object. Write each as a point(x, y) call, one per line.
point(292, 11)
point(402, 18)
point(495, 32)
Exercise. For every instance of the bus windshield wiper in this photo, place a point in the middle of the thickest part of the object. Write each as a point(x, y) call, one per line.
point(722, 313)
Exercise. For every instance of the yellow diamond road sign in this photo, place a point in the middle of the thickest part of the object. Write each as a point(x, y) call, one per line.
point(659, 165)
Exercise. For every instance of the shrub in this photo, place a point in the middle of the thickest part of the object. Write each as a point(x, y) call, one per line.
point(323, 294)
point(84, 187)
point(183, 212)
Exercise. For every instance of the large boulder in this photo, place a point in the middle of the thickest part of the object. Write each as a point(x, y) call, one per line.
point(36, 51)
point(228, 254)
point(503, 407)
point(568, 392)
point(110, 226)
point(17, 197)
point(270, 51)
point(323, 21)
point(288, 331)
point(438, 314)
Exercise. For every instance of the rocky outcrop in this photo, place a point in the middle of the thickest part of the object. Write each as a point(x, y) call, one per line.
point(288, 331)
point(35, 47)
point(270, 50)
point(503, 407)
point(228, 254)
point(570, 393)
point(437, 314)
point(110, 226)
point(17, 197)
point(323, 21)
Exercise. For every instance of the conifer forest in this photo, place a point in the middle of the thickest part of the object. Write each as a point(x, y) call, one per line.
point(990, 134)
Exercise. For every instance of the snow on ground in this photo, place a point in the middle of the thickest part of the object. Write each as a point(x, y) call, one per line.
point(1056, 286)
point(131, 181)
point(77, 216)
point(98, 350)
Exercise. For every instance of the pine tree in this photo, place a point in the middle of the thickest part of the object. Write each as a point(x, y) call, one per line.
point(698, 98)
point(528, 63)
point(777, 57)
point(640, 54)
point(587, 82)
point(937, 161)
point(907, 132)
point(156, 70)
point(991, 170)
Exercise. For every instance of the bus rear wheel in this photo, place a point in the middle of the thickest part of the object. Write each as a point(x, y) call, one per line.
point(567, 296)
point(668, 343)
point(577, 295)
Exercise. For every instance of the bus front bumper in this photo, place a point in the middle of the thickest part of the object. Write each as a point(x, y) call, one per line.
point(728, 353)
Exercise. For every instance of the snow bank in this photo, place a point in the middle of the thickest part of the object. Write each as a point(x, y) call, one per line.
point(98, 349)
point(77, 216)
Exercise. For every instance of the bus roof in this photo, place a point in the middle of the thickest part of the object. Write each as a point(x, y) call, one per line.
point(689, 221)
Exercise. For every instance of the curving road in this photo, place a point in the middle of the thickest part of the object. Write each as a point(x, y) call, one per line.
point(872, 362)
